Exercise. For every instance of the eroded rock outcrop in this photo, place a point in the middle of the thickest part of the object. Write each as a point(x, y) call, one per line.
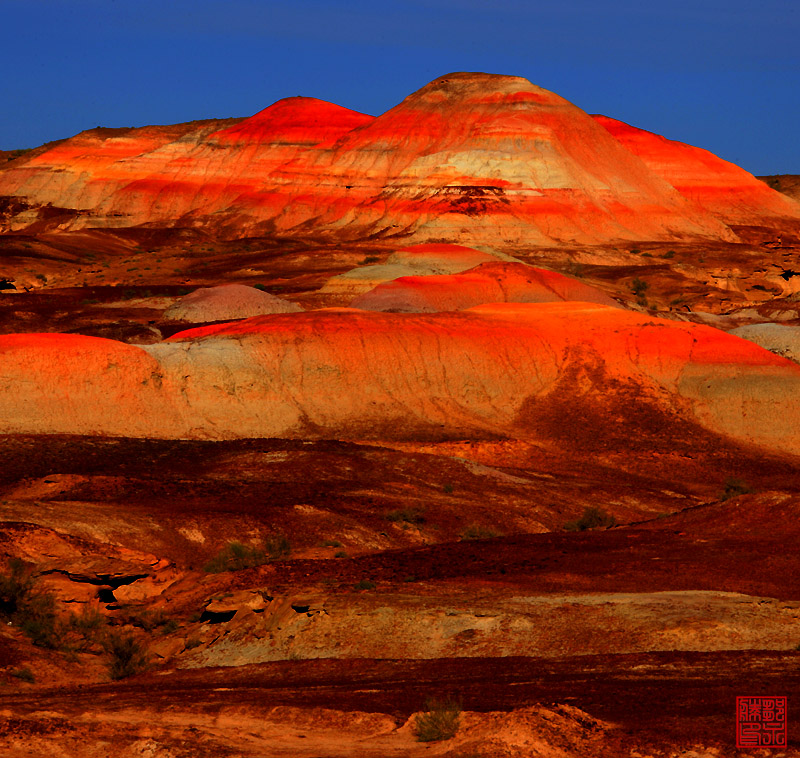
point(487, 283)
point(495, 370)
point(469, 157)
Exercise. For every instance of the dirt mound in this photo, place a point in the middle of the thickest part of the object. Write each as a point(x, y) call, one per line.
point(227, 302)
point(416, 260)
point(487, 283)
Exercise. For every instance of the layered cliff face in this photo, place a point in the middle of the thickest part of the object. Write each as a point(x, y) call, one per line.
point(469, 157)
point(509, 370)
point(728, 192)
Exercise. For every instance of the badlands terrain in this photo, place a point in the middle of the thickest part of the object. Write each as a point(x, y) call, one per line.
point(312, 418)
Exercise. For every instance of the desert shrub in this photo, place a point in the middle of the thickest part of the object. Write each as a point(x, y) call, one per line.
point(478, 532)
point(635, 251)
point(234, 557)
point(406, 516)
point(364, 584)
point(370, 259)
point(669, 254)
point(89, 623)
point(127, 655)
point(24, 674)
point(340, 554)
point(277, 547)
point(639, 287)
point(192, 642)
point(592, 518)
point(440, 721)
point(448, 488)
point(152, 620)
point(262, 287)
point(733, 488)
point(32, 609)
point(16, 586)
point(330, 543)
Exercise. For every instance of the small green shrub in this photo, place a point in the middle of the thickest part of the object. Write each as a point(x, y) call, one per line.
point(151, 620)
point(669, 254)
point(89, 624)
point(277, 547)
point(192, 642)
point(262, 287)
point(478, 532)
point(340, 554)
point(364, 584)
point(592, 518)
point(440, 721)
point(235, 556)
point(635, 251)
point(639, 286)
point(733, 488)
point(448, 488)
point(406, 516)
point(370, 259)
point(32, 609)
point(24, 674)
point(330, 543)
point(127, 655)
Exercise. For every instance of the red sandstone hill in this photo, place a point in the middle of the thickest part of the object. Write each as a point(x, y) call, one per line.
point(468, 157)
point(509, 370)
point(487, 283)
point(722, 188)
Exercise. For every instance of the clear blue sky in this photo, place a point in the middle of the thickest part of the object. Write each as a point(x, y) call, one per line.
point(720, 74)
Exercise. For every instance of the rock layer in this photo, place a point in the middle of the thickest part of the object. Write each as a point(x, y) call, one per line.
point(468, 157)
point(520, 370)
point(487, 283)
point(722, 188)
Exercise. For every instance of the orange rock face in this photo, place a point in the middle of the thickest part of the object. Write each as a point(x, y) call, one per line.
point(498, 370)
point(469, 157)
point(487, 283)
point(722, 188)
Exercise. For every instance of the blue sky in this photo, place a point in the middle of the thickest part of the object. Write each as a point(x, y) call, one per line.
point(720, 74)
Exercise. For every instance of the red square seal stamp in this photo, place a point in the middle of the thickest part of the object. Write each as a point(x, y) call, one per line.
point(761, 721)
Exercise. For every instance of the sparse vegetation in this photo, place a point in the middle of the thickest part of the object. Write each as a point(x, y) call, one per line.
point(669, 254)
point(24, 674)
point(440, 721)
point(370, 259)
point(262, 287)
point(635, 251)
point(340, 554)
point(364, 584)
point(592, 518)
point(330, 543)
point(32, 609)
point(448, 488)
point(236, 556)
point(192, 642)
point(127, 655)
point(407, 515)
point(733, 488)
point(478, 532)
point(639, 287)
